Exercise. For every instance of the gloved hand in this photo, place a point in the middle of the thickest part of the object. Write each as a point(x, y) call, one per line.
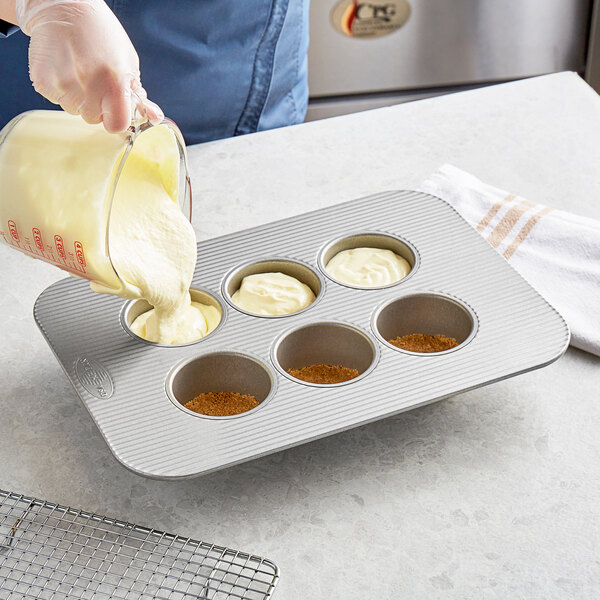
point(81, 58)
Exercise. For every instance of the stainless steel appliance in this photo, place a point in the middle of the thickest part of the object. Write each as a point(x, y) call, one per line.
point(365, 54)
point(592, 72)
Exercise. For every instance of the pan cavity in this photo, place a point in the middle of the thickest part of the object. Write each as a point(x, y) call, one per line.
point(220, 385)
point(325, 354)
point(425, 324)
point(212, 311)
point(368, 260)
point(273, 288)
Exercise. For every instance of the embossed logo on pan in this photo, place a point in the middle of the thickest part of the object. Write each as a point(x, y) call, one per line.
point(94, 377)
point(369, 19)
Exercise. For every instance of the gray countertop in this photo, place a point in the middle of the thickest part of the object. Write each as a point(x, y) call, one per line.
point(492, 494)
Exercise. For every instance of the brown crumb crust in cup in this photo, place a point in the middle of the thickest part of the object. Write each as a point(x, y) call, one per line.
point(422, 342)
point(324, 373)
point(222, 404)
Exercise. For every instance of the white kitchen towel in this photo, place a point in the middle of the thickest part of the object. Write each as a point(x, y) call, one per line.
point(556, 251)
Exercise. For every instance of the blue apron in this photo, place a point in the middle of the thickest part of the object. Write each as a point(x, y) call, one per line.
point(218, 68)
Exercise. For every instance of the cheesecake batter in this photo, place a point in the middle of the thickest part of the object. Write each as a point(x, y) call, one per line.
point(153, 248)
point(367, 267)
point(199, 320)
point(272, 294)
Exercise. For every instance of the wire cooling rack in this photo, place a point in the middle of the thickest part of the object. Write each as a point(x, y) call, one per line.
point(52, 552)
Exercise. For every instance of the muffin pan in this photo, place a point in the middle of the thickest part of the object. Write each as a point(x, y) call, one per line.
point(458, 286)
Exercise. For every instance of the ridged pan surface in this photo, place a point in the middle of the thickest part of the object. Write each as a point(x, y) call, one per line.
point(458, 283)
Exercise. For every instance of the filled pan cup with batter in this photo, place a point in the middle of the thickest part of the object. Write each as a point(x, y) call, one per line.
point(368, 260)
point(272, 288)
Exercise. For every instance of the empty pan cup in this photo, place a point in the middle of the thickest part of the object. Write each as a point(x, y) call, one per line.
point(218, 372)
point(331, 343)
point(425, 313)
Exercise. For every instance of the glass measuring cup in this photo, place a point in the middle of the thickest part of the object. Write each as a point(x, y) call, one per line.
point(59, 178)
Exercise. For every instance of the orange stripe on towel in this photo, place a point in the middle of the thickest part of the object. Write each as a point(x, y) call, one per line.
point(493, 212)
point(508, 221)
point(525, 231)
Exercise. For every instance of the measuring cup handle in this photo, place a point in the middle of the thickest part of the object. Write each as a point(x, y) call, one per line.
point(138, 110)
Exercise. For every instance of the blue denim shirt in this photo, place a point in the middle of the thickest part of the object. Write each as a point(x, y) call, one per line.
point(218, 68)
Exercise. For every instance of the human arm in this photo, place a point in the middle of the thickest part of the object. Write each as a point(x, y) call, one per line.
point(81, 58)
point(7, 11)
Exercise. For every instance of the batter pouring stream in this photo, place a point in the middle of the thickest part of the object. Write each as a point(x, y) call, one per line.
point(153, 249)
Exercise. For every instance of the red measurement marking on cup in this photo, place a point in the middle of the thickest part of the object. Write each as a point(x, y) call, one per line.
point(12, 227)
point(79, 253)
point(37, 239)
point(60, 247)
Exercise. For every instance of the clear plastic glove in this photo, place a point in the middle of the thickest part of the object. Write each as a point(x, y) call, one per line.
point(81, 58)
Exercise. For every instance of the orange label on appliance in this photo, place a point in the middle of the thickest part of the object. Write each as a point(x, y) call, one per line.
point(369, 19)
point(37, 238)
point(14, 232)
point(60, 246)
point(79, 253)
